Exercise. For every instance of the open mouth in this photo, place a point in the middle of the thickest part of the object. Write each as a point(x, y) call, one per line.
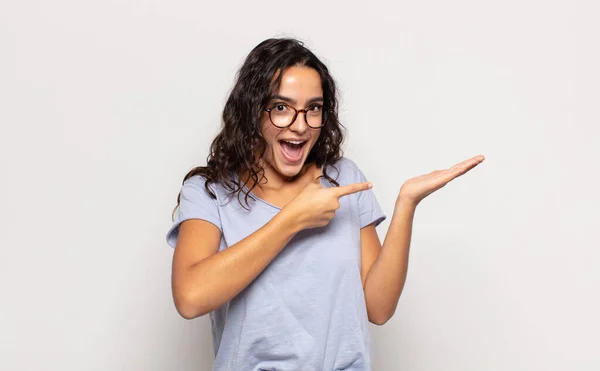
point(292, 150)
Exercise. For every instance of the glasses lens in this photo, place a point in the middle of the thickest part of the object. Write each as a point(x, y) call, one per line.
point(282, 115)
point(314, 117)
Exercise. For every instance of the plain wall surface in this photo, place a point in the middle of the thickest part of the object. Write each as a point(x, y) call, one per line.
point(105, 106)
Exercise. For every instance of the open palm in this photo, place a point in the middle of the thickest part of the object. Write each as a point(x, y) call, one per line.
point(416, 189)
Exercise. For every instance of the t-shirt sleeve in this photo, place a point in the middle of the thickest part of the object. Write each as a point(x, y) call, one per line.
point(369, 210)
point(195, 203)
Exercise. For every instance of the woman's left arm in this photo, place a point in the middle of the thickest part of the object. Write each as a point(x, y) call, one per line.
point(384, 267)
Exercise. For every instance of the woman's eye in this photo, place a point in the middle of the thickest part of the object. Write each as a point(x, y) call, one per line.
point(315, 108)
point(280, 107)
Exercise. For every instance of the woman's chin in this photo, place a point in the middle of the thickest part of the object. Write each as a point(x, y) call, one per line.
point(289, 170)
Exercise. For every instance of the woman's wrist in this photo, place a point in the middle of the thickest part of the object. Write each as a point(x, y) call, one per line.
point(406, 204)
point(288, 221)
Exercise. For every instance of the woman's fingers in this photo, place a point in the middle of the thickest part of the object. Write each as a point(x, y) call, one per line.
point(468, 163)
point(463, 167)
point(459, 169)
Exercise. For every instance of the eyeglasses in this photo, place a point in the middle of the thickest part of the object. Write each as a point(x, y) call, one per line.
point(283, 116)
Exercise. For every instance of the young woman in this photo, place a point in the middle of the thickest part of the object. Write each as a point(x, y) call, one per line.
point(275, 237)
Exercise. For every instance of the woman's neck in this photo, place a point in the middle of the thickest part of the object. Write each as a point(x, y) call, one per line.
point(276, 180)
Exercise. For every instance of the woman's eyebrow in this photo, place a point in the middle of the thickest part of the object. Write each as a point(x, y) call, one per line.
point(293, 101)
point(285, 99)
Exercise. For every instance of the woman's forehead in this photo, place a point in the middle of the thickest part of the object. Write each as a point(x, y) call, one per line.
point(300, 82)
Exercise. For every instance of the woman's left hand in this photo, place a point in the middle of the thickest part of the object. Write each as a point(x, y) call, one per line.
point(416, 189)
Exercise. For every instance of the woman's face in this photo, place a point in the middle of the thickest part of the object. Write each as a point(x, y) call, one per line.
point(288, 148)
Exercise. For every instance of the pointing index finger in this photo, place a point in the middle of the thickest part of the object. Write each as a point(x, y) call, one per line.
point(349, 189)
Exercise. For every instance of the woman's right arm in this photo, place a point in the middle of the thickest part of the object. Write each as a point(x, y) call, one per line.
point(204, 278)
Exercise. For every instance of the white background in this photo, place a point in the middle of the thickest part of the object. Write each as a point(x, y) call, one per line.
point(106, 105)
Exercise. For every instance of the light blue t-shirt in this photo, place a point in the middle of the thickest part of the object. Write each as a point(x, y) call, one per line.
point(306, 310)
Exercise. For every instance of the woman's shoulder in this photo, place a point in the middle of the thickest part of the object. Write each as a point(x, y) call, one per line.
point(197, 181)
point(344, 170)
point(346, 163)
point(200, 183)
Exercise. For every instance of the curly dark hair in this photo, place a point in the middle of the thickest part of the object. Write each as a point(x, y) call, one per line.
point(233, 151)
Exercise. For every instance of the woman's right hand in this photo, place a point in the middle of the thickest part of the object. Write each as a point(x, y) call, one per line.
point(205, 278)
point(316, 205)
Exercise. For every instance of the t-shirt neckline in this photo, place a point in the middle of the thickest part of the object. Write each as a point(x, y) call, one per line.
point(268, 203)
